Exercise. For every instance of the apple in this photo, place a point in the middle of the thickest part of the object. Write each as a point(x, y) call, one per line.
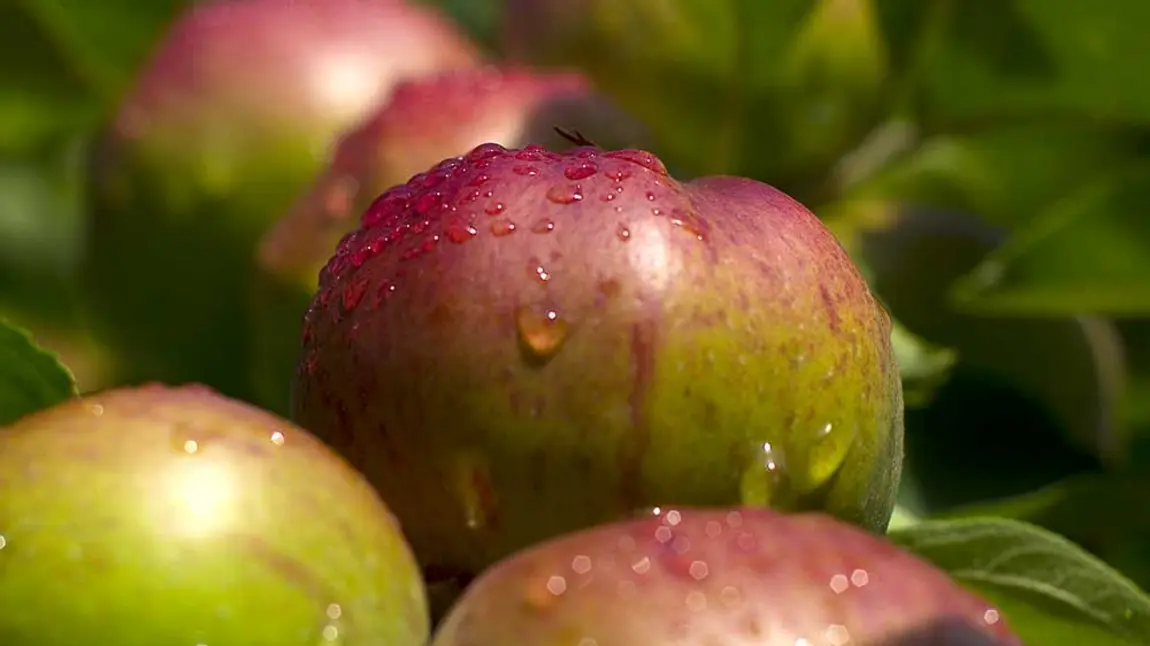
point(732, 576)
point(522, 342)
point(173, 515)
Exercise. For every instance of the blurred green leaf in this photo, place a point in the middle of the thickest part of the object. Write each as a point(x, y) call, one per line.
point(40, 228)
point(103, 41)
point(1098, 511)
point(923, 366)
point(775, 90)
point(1135, 408)
point(31, 378)
point(967, 64)
point(1050, 590)
point(1007, 176)
point(479, 18)
point(1071, 365)
point(1090, 253)
point(41, 93)
point(903, 518)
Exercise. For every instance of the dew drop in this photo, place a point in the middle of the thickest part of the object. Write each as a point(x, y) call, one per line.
point(541, 331)
point(544, 225)
point(472, 482)
point(459, 232)
point(526, 170)
point(581, 171)
point(623, 233)
point(565, 194)
point(690, 223)
point(642, 158)
point(764, 481)
point(502, 227)
point(818, 460)
point(353, 293)
point(539, 271)
point(424, 202)
point(495, 208)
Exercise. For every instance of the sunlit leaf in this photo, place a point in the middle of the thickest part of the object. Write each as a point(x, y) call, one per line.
point(1051, 590)
point(776, 90)
point(1088, 254)
point(31, 378)
point(966, 64)
point(1007, 175)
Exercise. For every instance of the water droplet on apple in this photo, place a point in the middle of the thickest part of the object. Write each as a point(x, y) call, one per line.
point(541, 330)
point(544, 225)
point(580, 171)
point(765, 479)
point(495, 208)
point(471, 478)
point(353, 293)
point(565, 193)
point(538, 271)
point(623, 233)
point(502, 227)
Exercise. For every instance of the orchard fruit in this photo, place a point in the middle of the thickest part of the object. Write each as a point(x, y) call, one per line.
point(702, 577)
point(717, 80)
point(522, 342)
point(426, 120)
point(233, 114)
point(160, 515)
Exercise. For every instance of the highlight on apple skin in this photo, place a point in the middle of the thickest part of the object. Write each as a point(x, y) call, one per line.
point(173, 515)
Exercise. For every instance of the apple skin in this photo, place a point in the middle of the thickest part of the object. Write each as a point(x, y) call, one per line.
point(233, 114)
point(172, 515)
point(520, 343)
point(426, 120)
point(737, 577)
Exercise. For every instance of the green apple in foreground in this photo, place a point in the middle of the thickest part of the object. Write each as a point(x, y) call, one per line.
point(157, 515)
point(711, 577)
point(523, 342)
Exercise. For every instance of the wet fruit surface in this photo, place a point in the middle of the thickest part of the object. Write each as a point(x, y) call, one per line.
point(509, 353)
point(426, 120)
point(163, 515)
point(745, 577)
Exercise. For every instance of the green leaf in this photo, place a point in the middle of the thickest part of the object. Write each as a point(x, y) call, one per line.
point(923, 366)
point(41, 94)
point(31, 378)
point(1088, 254)
point(903, 518)
point(41, 228)
point(103, 42)
point(965, 64)
point(1050, 590)
point(1096, 511)
point(717, 80)
point(1006, 175)
point(1071, 365)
